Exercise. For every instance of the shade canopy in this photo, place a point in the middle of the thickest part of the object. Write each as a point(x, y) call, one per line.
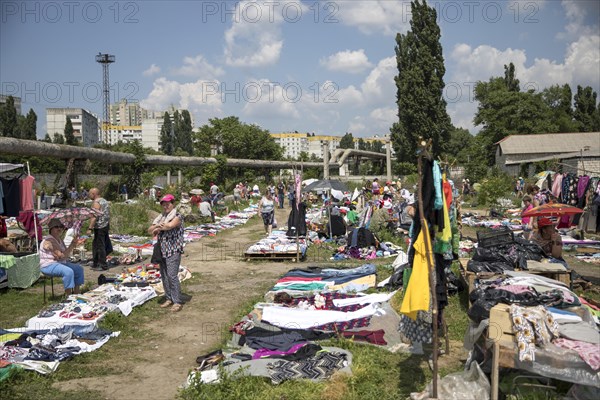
point(326, 185)
point(552, 210)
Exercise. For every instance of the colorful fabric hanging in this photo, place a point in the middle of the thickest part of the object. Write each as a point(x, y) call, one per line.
point(417, 295)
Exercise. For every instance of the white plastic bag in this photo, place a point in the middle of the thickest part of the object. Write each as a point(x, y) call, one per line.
point(454, 386)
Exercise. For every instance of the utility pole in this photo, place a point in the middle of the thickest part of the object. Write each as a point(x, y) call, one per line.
point(105, 60)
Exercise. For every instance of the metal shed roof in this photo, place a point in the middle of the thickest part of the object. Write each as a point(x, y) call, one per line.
point(550, 143)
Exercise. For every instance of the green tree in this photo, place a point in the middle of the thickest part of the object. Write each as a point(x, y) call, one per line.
point(167, 142)
point(8, 118)
point(29, 129)
point(377, 146)
point(586, 113)
point(559, 100)
point(236, 139)
point(362, 144)
point(58, 138)
point(69, 134)
point(303, 156)
point(47, 138)
point(458, 144)
point(182, 129)
point(184, 133)
point(510, 79)
point(347, 141)
point(420, 82)
point(502, 111)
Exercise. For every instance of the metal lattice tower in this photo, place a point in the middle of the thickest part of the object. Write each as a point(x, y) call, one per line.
point(105, 60)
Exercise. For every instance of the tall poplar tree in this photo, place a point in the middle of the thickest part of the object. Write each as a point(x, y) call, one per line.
point(69, 134)
point(8, 118)
point(29, 131)
point(420, 82)
point(166, 136)
point(586, 112)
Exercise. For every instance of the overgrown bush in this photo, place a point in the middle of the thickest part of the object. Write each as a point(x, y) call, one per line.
point(495, 186)
point(132, 219)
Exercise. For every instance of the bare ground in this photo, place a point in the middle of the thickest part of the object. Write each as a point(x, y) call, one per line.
point(155, 370)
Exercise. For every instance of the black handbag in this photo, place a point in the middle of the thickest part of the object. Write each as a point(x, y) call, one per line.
point(157, 257)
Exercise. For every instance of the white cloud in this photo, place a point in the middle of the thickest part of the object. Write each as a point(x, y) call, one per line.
point(202, 98)
point(379, 87)
point(380, 16)
point(152, 70)
point(364, 109)
point(266, 99)
point(254, 38)
point(581, 66)
point(347, 61)
point(198, 67)
point(576, 12)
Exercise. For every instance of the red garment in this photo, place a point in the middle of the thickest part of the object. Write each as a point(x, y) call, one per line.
point(26, 189)
point(447, 193)
point(3, 228)
point(298, 278)
point(26, 219)
point(195, 200)
point(374, 337)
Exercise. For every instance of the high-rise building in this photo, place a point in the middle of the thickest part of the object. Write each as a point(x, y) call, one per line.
point(293, 143)
point(17, 100)
point(85, 124)
point(315, 144)
point(124, 133)
point(151, 128)
point(127, 113)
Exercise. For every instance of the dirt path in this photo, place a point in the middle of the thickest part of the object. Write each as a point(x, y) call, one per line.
point(226, 284)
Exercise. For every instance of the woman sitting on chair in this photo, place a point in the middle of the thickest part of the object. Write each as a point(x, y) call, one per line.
point(53, 258)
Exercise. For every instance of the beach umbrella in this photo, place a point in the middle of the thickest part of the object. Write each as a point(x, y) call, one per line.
point(325, 185)
point(552, 210)
point(71, 217)
point(307, 182)
point(196, 191)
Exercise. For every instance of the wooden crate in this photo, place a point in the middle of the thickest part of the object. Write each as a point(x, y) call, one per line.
point(501, 336)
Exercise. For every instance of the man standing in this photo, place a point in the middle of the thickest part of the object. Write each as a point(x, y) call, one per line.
point(280, 193)
point(124, 192)
point(214, 191)
point(100, 226)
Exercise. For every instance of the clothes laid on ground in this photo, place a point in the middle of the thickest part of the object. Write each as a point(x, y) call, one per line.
point(320, 366)
point(63, 330)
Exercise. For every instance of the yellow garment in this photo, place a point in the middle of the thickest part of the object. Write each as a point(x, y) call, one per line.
point(443, 239)
point(363, 280)
point(417, 293)
point(7, 337)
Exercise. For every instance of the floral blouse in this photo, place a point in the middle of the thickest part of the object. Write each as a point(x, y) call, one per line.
point(170, 241)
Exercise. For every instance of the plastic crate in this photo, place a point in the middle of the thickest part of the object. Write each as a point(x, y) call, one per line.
point(495, 238)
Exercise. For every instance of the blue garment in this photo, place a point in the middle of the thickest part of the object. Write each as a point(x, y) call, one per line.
point(437, 184)
point(72, 274)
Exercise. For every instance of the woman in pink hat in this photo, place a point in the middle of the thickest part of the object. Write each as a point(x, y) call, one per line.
point(169, 228)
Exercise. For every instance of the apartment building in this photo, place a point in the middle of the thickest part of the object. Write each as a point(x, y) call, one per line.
point(85, 124)
point(292, 143)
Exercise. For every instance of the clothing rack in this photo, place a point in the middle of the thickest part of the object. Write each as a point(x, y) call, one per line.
point(423, 151)
point(8, 167)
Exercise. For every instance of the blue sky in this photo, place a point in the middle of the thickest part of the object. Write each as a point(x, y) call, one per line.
point(325, 67)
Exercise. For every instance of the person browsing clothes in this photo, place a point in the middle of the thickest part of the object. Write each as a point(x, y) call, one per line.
point(168, 227)
point(54, 255)
point(266, 209)
point(549, 240)
point(100, 227)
